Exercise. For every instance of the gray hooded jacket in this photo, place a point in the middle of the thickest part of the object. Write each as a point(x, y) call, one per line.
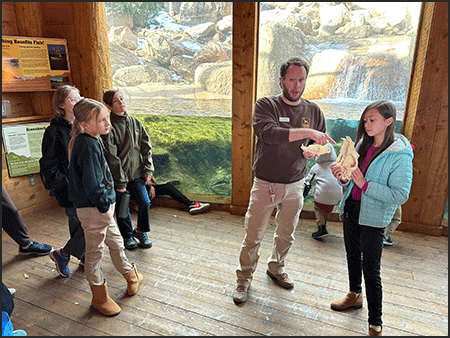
point(326, 189)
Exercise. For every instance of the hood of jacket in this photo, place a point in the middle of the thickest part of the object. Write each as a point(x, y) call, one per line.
point(328, 157)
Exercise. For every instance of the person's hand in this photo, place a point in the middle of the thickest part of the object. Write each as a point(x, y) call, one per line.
point(308, 154)
point(149, 179)
point(122, 190)
point(358, 178)
point(151, 193)
point(336, 170)
point(320, 138)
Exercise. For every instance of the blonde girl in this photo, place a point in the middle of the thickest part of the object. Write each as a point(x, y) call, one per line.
point(381, 182)
point(91, 189)
point(54, 171)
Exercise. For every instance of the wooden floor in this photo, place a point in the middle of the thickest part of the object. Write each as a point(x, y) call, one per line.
point(189, 276)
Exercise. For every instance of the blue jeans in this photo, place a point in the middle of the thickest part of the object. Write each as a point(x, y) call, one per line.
point(76, 245)
point(138, 190)
point(365, 241)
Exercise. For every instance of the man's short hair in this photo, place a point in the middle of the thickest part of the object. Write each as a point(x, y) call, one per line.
point(293, 61)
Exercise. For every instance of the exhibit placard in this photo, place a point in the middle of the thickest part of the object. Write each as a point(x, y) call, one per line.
point(34, 64)
point(23, 147)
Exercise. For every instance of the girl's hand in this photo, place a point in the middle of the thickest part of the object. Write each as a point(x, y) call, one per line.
point(336, 170)
point(358, 178)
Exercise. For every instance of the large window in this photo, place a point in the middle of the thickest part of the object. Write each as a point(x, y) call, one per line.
point(359, 52)
point(172, 61)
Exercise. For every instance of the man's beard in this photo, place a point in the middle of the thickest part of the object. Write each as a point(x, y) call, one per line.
point(289, 97)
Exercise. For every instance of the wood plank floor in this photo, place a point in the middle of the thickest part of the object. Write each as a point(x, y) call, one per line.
point(189, 276)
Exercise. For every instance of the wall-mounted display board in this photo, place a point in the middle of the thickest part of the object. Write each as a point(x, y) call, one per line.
point(22, 145)
point(34, 64)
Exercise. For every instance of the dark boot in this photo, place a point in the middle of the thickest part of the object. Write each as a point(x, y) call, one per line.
point(321, 232)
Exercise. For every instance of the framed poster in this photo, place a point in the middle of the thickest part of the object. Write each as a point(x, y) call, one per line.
point(34, 64)
point(23, 147)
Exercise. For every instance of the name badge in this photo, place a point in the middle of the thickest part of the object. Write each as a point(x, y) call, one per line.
point(284, 119)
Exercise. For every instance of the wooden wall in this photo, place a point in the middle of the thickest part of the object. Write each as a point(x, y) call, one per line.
point(83, 24)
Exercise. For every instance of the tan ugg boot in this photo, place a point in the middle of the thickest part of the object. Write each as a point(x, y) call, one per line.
point(351, 300)
point(134, 279)
point(102, 302)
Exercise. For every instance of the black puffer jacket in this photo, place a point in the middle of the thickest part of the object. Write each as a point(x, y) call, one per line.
point(90, 181)
point(54, 163)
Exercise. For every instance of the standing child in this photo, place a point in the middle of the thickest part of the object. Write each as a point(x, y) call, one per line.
point(129, 155)
point(91, 188)
point(381, 182)
point(327, 191)
point(54, 171)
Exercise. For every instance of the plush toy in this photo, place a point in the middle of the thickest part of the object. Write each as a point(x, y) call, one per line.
point(347, 159)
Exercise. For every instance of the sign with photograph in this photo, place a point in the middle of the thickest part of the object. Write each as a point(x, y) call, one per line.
point(23, 147)
point(34, 64)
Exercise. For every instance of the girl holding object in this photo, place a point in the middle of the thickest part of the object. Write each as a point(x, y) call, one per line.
point(381, 182)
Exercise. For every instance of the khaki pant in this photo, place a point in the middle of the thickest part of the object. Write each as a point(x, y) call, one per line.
point(101, 229)
point(289, 202)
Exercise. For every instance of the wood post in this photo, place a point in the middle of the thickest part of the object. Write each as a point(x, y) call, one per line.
point(245, 56)
point(426, 123)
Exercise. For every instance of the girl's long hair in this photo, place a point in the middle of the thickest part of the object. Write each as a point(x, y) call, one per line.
point(84, 110)
point(387, 110)
point(59, 97)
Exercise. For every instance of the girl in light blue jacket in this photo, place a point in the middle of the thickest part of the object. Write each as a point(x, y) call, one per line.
point(381, 182)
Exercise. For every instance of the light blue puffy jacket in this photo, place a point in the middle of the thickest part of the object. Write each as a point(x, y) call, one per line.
point(390, 178)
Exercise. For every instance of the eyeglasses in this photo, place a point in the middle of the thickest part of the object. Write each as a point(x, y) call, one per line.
point(75, 99)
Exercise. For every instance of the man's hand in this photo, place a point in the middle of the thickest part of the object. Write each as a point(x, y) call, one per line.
point(320, 138)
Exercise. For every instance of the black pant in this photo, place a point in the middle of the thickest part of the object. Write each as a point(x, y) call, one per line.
point(365, 241)
point(12, 222)
point(170, 190)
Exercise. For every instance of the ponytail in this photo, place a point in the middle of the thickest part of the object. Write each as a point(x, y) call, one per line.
point(84, 110)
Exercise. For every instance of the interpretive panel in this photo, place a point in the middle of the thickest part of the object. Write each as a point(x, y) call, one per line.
point(34, 64)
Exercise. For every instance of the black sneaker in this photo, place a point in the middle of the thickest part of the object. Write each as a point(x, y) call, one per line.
point(387, 241)
point(321, 232)
point(35, 248)
point(130, 243)
point(143, 239)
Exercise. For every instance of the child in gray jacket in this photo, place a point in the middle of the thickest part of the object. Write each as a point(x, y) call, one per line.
point(326, 192)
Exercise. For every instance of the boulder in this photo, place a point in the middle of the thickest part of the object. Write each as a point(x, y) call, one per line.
point(203, 32)
point(194, 13)
point(184, 66)
point(115, 17)
point(280, 43)
point(215, 77)
point(211, 52)
point(121, 57)
point(160, 46)
point(135, 75)
point(123, 36)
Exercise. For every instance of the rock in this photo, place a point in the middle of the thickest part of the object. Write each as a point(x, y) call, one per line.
point(121, 57)
point(194, 13)
point(184, 66)
point(215, 77)
point(135, 75)
point(279, 44)
point(115, 17)
point(211, 52)
point(123, 36)
point(202, 32)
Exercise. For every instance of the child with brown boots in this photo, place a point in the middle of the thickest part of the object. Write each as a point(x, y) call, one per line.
point(91, 188)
